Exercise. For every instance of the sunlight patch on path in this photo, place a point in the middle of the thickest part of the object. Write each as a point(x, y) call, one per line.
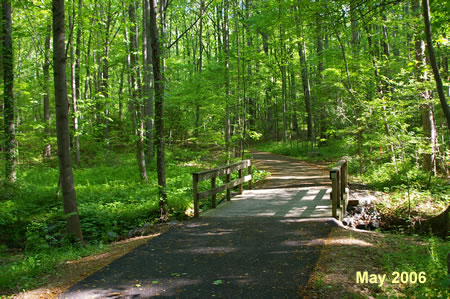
point(288, 202)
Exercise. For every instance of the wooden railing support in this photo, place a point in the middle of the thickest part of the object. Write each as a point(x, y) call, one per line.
point(227, 180)
point(249, 172)
point(213, 174)
point(339, 188)
point(240, 176)
point(195, 193)
point(213, 198)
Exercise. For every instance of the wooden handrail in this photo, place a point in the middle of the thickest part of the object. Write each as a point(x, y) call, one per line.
point(339, 188)
point(216, 172)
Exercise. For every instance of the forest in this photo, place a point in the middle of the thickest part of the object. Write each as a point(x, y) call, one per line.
point(108, 107)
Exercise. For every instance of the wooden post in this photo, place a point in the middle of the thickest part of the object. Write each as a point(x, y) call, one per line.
point(213, 185)
point(338, 188)
point(344, 177)
point(227, 180)
point(240, 185)
point(195, 194)
point(249, 169)
point(334, 197)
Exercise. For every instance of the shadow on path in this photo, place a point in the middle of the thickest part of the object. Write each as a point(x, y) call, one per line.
point(267, 257)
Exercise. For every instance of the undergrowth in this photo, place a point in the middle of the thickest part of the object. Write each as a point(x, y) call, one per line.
point(424, 254)
point(304, 151)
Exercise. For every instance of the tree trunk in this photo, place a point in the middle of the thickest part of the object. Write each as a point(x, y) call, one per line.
point(305, 81)
point(136, 109)
point(294, 104)
point(104, 72)
point(74, 73)
point(148, 84)
point(227, 80)
point(8, 95)
point(426, 105)
point(77, 94)
point(62, 122)
point(434, 66)
point(199, 69)
point(159, 105)
point(46, 71)
point(306, 91)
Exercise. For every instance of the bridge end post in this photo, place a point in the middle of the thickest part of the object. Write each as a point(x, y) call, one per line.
point(249, 171)
point(227, 180)
point(241, 184)
point(334, 191)
point(195, 194)
point(213, 197)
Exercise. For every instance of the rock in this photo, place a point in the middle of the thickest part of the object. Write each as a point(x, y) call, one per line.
point(112, 235)
point(374, 224)
point(347, 221)
point(314, 154)
point(361, 224)
point(439, 225)
point(363, 216)
point(144, 230)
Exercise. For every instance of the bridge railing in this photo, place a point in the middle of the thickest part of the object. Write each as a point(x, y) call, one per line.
point(339, 188)
point(212, 174)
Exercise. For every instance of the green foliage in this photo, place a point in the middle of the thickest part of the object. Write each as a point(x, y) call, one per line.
point(430, 257)
point(29, 270)
point(110, 198)
point(328, 152)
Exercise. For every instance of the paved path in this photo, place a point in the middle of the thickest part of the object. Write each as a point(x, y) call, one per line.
point(256, 246)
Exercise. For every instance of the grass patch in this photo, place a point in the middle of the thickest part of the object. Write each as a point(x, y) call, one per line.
point(31, 269)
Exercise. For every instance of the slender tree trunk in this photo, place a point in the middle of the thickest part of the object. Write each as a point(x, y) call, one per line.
point(434, 65)
point(104, 72)
point(148, 84)
point(8, 95)
point(294, 105)
point(199, 69)
point(136, 111)
point(62, 122)
point(227, 80)
point(46, 71)
point(426, 105)
point(159, 105)
point(306, 91)
point(355, 42)
point(75, 93)
point(305, 81)
point(268, 123)
point(320, 68)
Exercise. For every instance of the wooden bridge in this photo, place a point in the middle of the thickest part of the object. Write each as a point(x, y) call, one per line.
point(295, 189)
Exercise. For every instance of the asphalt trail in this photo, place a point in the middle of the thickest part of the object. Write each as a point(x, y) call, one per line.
point(258, 257)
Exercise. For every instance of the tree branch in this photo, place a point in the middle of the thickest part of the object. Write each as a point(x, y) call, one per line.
point(190, 27)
